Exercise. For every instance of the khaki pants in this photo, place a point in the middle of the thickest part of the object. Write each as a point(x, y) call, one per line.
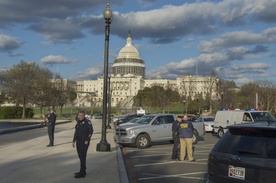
point(186, 144)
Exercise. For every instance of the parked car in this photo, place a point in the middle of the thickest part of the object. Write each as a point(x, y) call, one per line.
point(98, 116)
point(208, 122)
point(151, 128)
point(245, 153)
point(126, 118)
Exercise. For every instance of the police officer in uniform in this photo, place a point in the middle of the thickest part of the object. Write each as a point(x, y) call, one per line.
point(51, 122)
point(82, 136)
point(175, 136)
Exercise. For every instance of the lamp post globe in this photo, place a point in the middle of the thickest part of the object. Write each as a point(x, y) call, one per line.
point(104, 145)
point(107, 13)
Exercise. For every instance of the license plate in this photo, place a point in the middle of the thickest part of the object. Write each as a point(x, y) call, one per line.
point(236, 172)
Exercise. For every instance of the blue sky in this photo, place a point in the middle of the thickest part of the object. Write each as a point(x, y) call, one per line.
point(235, 38)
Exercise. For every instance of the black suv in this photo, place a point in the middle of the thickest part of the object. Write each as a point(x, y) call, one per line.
point(246, 153)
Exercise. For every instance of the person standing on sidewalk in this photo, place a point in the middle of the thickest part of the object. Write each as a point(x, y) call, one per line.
point(175, 136)
point(186, 129)
point(51, 122)
point(82, 136)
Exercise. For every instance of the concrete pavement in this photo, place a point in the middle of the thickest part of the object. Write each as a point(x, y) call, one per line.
point(32, 162)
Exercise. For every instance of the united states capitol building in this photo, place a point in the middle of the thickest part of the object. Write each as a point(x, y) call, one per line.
point(127, 77)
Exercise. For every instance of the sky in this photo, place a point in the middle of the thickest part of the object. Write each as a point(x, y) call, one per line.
point(234, 38)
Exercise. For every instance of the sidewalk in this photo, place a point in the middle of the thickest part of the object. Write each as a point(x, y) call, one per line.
point(32, 162)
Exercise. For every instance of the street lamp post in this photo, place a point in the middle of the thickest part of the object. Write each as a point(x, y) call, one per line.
point(109, 105)
point(103, 145)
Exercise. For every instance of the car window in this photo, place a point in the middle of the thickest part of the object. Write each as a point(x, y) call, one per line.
point(249, 142)
point(160, 120)
point(199, 119)
point(169, 119)
point(145, 119)
point(246, 117)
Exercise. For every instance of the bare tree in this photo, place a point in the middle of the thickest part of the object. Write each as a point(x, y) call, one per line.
point(187, 88)
point(266, 95)
point(212, 85)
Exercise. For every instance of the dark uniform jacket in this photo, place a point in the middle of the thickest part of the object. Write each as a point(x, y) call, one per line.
point(51, 119)
point(83, 130)
point(175, 127)
point(186, 129)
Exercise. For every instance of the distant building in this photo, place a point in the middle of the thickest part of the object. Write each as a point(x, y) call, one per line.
point(128, 77)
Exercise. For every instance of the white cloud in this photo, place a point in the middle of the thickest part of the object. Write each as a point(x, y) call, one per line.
point(8, 43)
point(56, 59)
point(238, 38)
point(91, 73)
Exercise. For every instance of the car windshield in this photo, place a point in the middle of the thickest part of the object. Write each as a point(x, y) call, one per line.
point(134, 120)
point(262, 116)
point(145, 119)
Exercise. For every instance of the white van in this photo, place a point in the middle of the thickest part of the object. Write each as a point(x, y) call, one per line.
point(232, 117)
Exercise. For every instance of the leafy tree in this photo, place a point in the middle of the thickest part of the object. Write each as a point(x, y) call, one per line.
point(22, 83)
point(156, 96)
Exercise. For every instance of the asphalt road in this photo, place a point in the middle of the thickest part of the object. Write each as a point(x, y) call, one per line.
point(154, 164)
point(24, 135)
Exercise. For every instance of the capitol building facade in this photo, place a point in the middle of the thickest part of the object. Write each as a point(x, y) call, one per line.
point(128, 77)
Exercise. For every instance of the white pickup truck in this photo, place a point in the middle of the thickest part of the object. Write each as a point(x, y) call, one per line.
point(151, 128)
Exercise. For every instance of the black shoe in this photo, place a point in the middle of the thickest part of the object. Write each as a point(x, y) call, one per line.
point(49, 145)
point(79, 176)
point(77, 173)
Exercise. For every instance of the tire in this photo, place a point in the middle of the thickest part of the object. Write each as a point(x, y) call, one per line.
point(220, 133)
point(143, 141)
point(195, 137)
point(171, 141)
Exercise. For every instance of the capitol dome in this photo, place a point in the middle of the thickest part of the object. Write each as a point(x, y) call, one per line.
point(129, 51)
point(128, 61)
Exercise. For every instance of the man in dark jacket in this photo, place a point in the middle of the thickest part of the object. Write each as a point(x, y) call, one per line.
point(82, 136)
point(175, 136)
point(51, 122)
point(186, 129)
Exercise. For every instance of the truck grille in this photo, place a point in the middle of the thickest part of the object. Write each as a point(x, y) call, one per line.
point(121, 132)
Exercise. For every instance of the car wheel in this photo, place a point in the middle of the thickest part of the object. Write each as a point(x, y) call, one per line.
point(220, 133)
point(195, 137)
point(142, 141)
point(171, 141)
